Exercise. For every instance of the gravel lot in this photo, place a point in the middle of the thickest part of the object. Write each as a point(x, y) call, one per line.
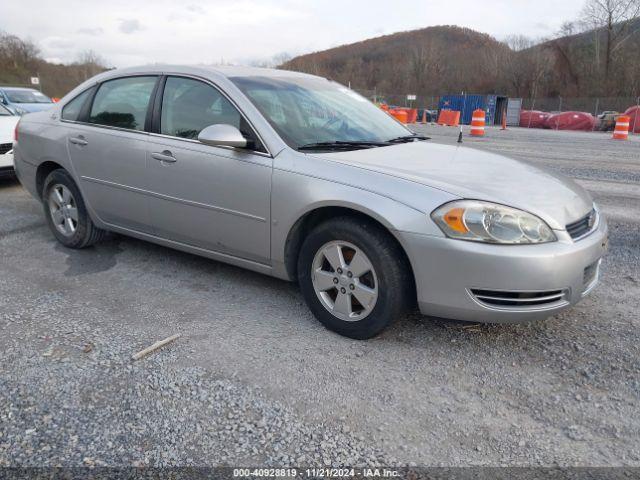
point(255, 380)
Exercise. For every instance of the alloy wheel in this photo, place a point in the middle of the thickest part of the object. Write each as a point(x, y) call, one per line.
point(344, 280)
point(63, 210)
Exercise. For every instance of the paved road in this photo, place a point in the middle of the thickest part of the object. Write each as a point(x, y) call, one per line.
point(256, 380)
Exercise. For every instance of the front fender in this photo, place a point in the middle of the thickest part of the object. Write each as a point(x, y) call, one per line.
point(294, 195)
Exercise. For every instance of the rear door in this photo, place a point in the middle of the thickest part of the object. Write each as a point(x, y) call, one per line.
point(108, 149)
point(216, 198)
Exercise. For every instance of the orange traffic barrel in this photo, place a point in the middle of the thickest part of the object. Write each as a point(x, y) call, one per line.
point(622, 128)
point(477, 123)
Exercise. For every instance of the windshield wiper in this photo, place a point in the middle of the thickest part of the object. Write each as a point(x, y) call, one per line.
point(342, 145)
point(408, 138)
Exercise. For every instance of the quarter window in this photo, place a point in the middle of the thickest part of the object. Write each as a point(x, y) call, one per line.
point(123, 102)
point(188, 106)
point(72, 110)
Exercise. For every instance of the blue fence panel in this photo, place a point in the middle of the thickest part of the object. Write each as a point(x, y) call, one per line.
point(465, 104)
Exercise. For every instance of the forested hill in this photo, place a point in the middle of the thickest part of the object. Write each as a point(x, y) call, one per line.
point(447, 59)
point(427, 59)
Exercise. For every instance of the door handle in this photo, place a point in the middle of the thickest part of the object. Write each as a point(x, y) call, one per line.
point(164, 156)
point(78, 141)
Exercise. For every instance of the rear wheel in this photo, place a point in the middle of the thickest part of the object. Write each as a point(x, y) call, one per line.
point(66, 212)
point(354, 277)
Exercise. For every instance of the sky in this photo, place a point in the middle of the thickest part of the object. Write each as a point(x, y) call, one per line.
point(134, 32)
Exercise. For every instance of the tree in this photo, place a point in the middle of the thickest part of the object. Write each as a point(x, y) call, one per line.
point(614, 17)
point(566, 57)
point(426, 63)
point(16, 53)
point(90, 63)
point(525, 65)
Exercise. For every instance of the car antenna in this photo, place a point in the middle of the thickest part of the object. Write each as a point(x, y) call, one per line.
point(464, 108)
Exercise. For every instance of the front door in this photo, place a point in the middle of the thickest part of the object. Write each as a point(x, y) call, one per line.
point(210, 197)
point(108, 151)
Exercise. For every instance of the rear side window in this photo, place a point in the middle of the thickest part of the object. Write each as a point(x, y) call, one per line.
point(122, 102)
point(71, 111)
point(188, 106)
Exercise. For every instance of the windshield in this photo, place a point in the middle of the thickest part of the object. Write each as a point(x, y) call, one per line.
point(310, 110)
point(26, 96)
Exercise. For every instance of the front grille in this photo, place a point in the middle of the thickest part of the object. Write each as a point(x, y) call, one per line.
point(583, 226)
point(522, 300)
point(5, 147)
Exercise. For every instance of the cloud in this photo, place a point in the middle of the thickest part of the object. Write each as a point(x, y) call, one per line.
point(58, 43)
point(196, 9)
point(90, 31)
point(253, 31)
point(130, 25)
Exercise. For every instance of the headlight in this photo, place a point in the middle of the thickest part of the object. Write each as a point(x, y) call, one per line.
point(20, 111)
point(491, 223)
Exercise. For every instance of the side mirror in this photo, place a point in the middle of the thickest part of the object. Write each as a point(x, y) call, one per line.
point(222, 135)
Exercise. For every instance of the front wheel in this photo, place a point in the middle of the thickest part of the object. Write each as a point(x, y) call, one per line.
point(354, 277)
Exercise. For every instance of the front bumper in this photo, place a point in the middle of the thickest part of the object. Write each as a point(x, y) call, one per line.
point(449, 273)
point(6, 164)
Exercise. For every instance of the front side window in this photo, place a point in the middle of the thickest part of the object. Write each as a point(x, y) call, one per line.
point(188, 106)
point(72, 110)
point(4, 112)
point(123, 102)
point(307, 110)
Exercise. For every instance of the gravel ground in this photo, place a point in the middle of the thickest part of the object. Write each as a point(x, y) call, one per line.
point(255, 380)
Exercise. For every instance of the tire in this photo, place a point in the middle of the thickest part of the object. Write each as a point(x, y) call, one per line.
point(64, 207)
point(373, 300)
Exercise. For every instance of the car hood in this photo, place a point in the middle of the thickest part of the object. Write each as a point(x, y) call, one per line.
point(474, 174)
point(33, 107)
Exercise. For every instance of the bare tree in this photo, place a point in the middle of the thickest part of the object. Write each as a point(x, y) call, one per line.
point(525, 65)
point(612, 16)
point(565, 61)
point(281, 58)
point(425, 62)
point(517, 43)
point(90, 64)
point(16, 53)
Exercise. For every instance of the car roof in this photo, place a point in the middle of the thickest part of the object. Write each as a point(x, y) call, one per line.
point(212, 71)
point(18, 88)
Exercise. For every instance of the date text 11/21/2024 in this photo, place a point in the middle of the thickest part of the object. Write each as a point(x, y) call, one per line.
point(315, 473)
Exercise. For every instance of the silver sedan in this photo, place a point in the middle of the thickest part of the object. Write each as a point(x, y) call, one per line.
point(298, 177)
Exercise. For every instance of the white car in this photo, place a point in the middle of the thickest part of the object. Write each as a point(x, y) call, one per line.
point(8, 122)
